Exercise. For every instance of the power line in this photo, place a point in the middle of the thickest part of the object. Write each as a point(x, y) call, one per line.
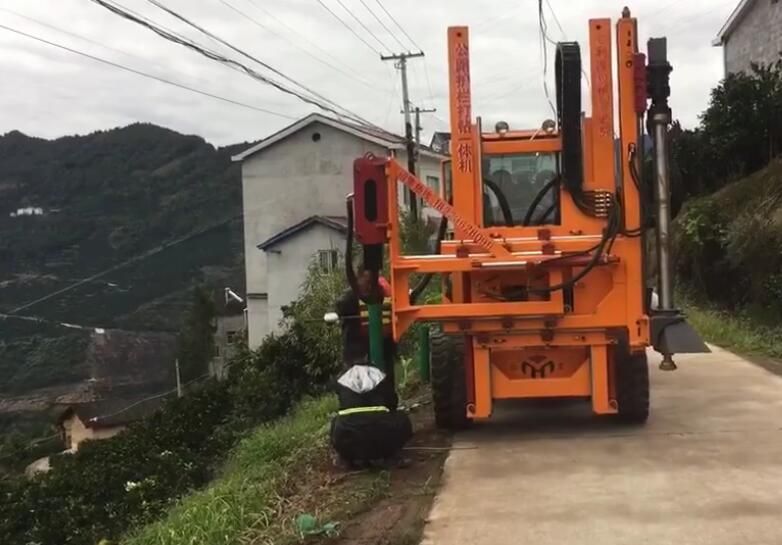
point(379, 3)
point(350, 28)
point(394, 36)
point(543, 39)
point(309, 42)
point(145, 74)
point(134, 259)
point(556, 20)
point(365, 27)
point(303, 49)
point(232, 47)
point(212, 55)
point(67, 32)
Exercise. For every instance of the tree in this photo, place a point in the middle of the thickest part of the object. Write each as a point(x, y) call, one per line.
point(740, 131)
point(195, 342)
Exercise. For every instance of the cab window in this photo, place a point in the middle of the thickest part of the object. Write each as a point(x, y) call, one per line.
point(520, 178)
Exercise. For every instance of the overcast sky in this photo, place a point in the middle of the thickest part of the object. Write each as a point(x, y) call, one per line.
point(48, 92)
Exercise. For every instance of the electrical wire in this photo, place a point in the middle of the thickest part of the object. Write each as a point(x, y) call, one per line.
point(241, 52)
point(556, 20)
point(311, 43)
point(543, 39)
point(379, 3)
point(362, 25)
point(145, 74)
point(212, 55)
point(382, 24)
point(350, 28)
point(66, 32)
point(297, 46)
point(134, 259)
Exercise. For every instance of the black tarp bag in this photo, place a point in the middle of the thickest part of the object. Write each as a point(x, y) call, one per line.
point(368, 427)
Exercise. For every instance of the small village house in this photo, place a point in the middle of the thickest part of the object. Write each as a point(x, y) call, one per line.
point(752, 34)
point(102, 419)
point(294, 185)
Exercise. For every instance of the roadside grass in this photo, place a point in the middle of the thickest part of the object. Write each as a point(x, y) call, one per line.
point(250, 494)
point(735, 331)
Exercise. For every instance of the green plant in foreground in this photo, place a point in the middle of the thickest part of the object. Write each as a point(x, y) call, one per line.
point(735, 331)
point(307, 526)
point(246, 498)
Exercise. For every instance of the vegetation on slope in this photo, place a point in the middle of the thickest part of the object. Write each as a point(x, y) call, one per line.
point(728, 235)
point(106, 198)
point(247, 496)
point(111, 486)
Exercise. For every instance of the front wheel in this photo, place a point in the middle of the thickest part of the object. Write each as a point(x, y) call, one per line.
point(449, 388)
point(632, 388)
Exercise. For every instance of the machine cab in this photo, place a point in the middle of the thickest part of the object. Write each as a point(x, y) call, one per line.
point(519, 174)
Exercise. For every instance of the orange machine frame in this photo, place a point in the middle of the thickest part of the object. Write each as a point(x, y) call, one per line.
point(534, 348)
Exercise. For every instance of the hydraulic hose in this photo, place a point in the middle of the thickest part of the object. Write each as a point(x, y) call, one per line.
point(502, 199)
point(536, 201)
point(421, 286)
point(608, 239)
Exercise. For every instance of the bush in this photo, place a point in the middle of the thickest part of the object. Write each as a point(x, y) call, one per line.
point(740, 132)
point(111, 485)
point(729, 244)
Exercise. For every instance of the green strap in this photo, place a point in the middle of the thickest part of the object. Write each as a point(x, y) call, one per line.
point(357, 410)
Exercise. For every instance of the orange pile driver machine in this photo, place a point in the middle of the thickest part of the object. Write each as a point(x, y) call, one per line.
point(544, 270)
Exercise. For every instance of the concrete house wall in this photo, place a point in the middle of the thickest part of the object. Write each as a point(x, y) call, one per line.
point(284, 184)
point(756, 38)
point(305, 174)
point(288, 262)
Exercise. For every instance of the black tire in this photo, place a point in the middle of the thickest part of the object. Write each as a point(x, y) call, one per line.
point(449, 389)
point(632, 388)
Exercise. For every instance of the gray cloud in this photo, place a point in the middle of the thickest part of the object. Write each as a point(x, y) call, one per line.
point(49, 93)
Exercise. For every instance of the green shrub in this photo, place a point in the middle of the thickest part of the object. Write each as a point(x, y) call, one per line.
point(729, 245)
point(112, 485)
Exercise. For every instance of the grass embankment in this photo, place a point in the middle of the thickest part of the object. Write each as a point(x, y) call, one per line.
point(251, 501)
point(738, 332)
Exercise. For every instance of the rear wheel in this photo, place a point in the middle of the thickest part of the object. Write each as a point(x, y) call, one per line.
point(449, 389)
point(632, 388)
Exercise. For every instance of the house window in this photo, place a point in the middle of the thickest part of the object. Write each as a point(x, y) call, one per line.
point(433, 182)
point(328, 260)
point(231, 336)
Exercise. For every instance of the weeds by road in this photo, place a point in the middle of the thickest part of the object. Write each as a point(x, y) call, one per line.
point(285, 471)
point(251, 491)
point(737, 331)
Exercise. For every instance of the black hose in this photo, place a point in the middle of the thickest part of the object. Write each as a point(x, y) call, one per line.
point(536, 201)
point(631, 156)
point(608, 238)
point(421, 286)
point(502, 199)
point(546, 214)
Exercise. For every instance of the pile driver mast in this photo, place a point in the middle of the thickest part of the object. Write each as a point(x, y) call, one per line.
point(544, 279)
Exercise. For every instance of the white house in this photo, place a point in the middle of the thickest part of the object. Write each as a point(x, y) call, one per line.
point(294, 185)
point(752, 34)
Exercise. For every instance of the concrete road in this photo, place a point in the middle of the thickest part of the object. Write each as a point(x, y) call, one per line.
point(707, 468)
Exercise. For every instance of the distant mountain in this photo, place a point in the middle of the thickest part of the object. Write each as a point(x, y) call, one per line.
point(73, 207)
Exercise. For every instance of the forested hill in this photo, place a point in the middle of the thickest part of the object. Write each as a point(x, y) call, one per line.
point(78, 205)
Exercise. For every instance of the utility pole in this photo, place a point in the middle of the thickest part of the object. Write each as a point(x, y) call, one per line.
point(418, 112)
point(401, 64)
point(178, 378)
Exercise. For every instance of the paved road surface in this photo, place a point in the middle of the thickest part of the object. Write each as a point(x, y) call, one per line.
point(707, 468)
